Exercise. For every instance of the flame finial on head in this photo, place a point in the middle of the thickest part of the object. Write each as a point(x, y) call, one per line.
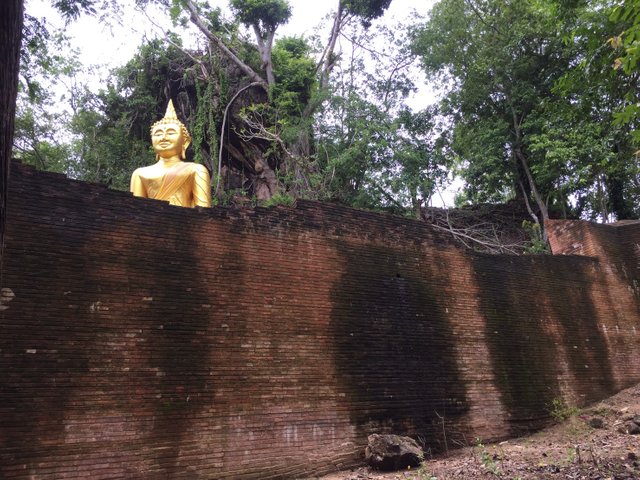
point(171, 117)
point(171, 111)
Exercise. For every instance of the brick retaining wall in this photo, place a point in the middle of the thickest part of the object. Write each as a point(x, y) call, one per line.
point(153, 342)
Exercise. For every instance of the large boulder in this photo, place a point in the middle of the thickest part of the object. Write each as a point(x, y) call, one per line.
point(392, 452)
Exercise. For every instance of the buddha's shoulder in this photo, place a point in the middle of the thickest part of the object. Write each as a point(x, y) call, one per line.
point(144, 171)
point(197, 167)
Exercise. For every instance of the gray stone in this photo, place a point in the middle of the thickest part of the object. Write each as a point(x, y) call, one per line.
point(392, 452)
point(631, 428)
point(596, 422)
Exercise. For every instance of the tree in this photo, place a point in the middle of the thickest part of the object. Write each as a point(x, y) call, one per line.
point(591, 94)
point(606, 182)
point(535, 104)
point(11, 18)
point(11, 22)
point(264, 17)
point(626, 16)
point(41, 133)
point(503, 62)
point(374, 152)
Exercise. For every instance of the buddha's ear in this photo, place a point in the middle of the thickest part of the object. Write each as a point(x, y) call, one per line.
point(185, 145)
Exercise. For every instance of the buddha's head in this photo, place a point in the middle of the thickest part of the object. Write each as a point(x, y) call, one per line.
point(169, 136)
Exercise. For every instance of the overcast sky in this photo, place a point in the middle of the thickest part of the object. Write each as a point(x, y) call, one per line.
point(115, 44)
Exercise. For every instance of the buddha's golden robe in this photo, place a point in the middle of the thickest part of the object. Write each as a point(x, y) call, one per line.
point(184, 184)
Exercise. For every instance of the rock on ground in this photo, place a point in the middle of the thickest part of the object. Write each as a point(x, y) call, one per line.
point(392, 452)
point(574, 449)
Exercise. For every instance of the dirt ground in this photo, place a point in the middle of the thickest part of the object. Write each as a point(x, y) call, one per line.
point(587, 446)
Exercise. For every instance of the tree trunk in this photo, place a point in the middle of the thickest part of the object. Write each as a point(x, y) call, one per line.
point(534, 190)
point(266, 181)
point(522, 158)
point(620, 206)
point(265, 46)
point(11, 18)
point(328, 61)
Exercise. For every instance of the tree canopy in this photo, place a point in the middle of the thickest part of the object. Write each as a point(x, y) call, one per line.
point(538, 104)
point(524, 125)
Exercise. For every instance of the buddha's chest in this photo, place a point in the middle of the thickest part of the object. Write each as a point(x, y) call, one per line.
point(173, 185)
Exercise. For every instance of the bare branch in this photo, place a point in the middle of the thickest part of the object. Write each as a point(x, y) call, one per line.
point(402, 64)
point(257, 130)
point(477, 235)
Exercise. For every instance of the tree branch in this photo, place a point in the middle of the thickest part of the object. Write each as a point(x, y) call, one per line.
point(203, 69)
point(197, 21)
point(224, 123)
point(477, 235)
point(325, 65)
point(481, 18)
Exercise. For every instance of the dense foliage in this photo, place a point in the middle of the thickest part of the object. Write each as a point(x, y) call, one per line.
point(533, 97)
point(539, 105)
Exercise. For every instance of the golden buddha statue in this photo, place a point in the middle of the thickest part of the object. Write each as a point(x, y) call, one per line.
point(185, 184)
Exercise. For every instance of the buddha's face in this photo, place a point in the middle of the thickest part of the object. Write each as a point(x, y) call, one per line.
point(168, 141)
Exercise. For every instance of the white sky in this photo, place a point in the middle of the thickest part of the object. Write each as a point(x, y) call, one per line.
point(113, 45)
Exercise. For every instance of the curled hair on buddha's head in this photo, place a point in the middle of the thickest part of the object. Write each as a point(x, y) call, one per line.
point(171, 117)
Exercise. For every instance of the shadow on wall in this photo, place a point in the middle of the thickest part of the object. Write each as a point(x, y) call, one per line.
point(121, 327)
point(394, 350)
point(176, 343)
point(530, 304)
point(40, 374)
